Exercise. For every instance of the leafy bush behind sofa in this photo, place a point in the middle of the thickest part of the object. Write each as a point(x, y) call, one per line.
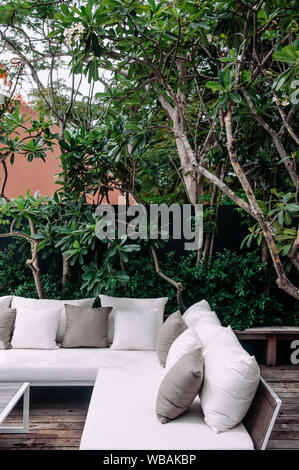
point(233, 283)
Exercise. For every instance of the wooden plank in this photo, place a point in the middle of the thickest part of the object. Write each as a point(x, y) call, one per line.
point(283, 427)
point(39, 443)
point(45, 434)
point(53, 412)
point(271, 351)
point(283, 444)
point(52, 419)
point(281, 376)
point(277, 330)
point(294, 436)
point(59, 426)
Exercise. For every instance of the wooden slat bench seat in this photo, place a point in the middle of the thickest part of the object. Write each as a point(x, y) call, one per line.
point(271, 334)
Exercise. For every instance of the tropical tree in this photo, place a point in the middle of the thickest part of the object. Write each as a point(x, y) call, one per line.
point(42, 58)
point(207, 65)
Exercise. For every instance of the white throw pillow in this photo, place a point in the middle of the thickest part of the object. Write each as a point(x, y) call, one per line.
point(124, 304)
point(186, 342)
point(35, 330)
point(135, 330)
point(42, 304)
point(208, 327)
point(193, 313)
point(5, 301)
point(231, 378)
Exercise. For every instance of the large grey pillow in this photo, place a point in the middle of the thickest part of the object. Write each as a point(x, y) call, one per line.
point(180, 386)
point(86, 327)
point(7, 321)
point(169, 331)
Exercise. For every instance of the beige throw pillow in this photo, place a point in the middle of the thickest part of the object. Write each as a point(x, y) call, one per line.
point(86, 327)
point(7, 321)
point(180, 386)
point(169, 331)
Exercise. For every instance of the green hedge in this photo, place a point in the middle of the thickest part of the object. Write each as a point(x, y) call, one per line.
point(233, 284)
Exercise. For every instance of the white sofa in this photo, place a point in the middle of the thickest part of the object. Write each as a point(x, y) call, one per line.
point(122, 413)
point(122, 409)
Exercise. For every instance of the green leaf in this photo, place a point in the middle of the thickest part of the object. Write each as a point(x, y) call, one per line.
point(214, 86)
point(236, 98)
point(64, 9)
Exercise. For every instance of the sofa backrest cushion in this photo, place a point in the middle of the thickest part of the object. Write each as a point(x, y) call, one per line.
point(34, 331)
point(41, 304)
point(180, 386)
point(136, 330)
point(86, 327)
point(186, 342)
point(193, 313)
point(208, 327)
point(124, 304)
point(231, 378)
point(169, 331)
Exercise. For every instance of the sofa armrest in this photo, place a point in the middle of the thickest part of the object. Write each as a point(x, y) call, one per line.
point(261, 416)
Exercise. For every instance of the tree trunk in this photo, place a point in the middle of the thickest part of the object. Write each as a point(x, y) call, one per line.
point(177, 285)
point(66, 272)
point(282, 281)
point(294, 252)
point(209, 235)
point(190, 166)
point(33, 264)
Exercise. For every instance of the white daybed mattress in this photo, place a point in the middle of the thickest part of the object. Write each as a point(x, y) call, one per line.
point(122, 416)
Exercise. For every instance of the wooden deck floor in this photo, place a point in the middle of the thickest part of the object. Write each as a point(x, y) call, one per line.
point(57, 415)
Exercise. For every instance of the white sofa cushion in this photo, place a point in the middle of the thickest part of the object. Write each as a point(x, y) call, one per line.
point(231, 377)
point(122, 416)
point(193, 313)
point(41, 304)
point(136, 330)
point(208, 327)
point(124, 304)
point(5, 301)
point(69, 365)
point(186, 342)
point(35, 331)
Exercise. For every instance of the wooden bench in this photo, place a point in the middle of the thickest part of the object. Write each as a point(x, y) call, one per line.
point(271, 334)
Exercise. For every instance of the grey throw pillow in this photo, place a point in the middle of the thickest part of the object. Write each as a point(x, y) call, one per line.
point(180, 386)
point(173, 327)
point(86, 327)
point(7, 321)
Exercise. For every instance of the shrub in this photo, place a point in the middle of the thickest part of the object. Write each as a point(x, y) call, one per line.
point(16, 277)
point(233, 284)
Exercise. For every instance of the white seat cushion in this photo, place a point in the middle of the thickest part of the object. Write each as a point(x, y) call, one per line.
point(122, 416)
point(68, 365)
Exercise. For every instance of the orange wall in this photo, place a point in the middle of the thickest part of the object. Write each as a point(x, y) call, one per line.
point(36, 175)
point(39, 175)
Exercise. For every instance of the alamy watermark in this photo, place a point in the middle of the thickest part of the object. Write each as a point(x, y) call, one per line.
point(295, 94)
point(157, 221)
point(295, 354)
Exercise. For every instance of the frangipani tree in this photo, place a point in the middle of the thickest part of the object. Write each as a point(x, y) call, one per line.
point(216, 59)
